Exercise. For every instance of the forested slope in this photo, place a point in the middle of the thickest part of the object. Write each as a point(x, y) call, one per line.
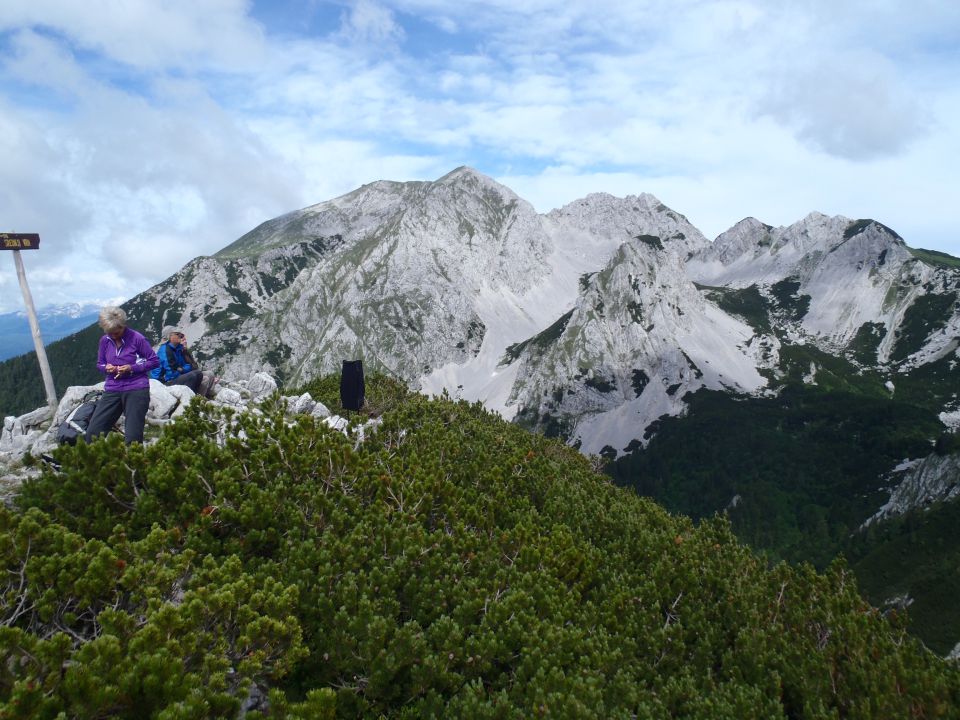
point(449, 565)
point(73, 361)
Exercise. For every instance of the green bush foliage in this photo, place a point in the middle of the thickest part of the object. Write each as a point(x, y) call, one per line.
point(447, 565)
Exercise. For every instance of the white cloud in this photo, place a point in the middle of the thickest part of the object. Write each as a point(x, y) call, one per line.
point(370, 22)
point(850, 105)
point(148, 34)
point(131, 186)
point(169, 129)
point(445, 23)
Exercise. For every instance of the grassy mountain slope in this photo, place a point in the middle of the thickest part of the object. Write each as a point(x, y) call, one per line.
point(449, 565)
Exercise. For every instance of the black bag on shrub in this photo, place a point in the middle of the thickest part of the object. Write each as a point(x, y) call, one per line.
point(76, 423)
point(351, 385)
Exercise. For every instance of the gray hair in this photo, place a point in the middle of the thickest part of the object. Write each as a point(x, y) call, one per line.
point(112, 319)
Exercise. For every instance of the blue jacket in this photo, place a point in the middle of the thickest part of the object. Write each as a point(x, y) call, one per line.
point(173, 364)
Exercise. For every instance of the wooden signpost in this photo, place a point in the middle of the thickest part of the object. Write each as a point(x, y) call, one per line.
point(31, 241)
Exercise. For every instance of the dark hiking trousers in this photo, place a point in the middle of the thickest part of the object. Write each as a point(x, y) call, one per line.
point(132, 404)
point(190, 379)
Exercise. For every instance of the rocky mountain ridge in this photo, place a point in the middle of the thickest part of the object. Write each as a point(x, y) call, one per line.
point(590, 321)
point(640, 335)
point(854, 273)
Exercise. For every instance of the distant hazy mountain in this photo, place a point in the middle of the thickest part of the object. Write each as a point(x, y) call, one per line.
point(55, 322)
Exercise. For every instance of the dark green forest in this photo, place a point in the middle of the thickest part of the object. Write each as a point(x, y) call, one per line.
point(798, 473)
point(805, 464)
point(72, 360)
point(449, 564)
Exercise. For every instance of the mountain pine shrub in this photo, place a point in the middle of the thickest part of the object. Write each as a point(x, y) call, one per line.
point(448, 565)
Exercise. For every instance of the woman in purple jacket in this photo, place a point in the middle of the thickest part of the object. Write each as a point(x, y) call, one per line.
point(126, 358)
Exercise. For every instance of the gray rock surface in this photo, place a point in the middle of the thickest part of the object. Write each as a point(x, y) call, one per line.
point(920, 483)
point(261, 385)
point(162, 400)
point(302, 405)
point(229, 396)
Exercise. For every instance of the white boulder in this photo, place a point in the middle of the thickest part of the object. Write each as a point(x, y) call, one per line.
point(20, 433)
point(320, 411)
point(229, 396)
point(163, 401)
point(337, 423)
point(302, 405)
point(261, 385)
point(184, 395)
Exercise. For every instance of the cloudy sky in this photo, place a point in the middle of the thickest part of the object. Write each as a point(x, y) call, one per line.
point(137, 135)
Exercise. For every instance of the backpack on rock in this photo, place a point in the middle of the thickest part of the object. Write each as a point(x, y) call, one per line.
point(76, 423)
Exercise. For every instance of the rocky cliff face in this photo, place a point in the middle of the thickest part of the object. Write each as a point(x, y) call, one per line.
point(403, 287)
point(852, 283)
point(919, 484)
point(640, 335)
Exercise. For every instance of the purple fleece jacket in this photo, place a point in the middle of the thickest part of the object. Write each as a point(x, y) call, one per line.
point(134, 351)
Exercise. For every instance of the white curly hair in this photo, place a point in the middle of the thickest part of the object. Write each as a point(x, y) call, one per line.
point(112, 319)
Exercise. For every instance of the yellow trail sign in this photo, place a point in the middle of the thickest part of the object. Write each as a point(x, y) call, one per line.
point(19, 241)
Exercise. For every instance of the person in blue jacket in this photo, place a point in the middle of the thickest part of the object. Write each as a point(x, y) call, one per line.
point(125, 357)
point(177, 366)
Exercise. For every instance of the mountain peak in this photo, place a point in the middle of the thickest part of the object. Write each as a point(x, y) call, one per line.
point(815, 232)
point(816, 217)
point(829, 232)
point(468, 180)
point(463, 171)
point(465, 175)
point(752, 223)
point(624, 218)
